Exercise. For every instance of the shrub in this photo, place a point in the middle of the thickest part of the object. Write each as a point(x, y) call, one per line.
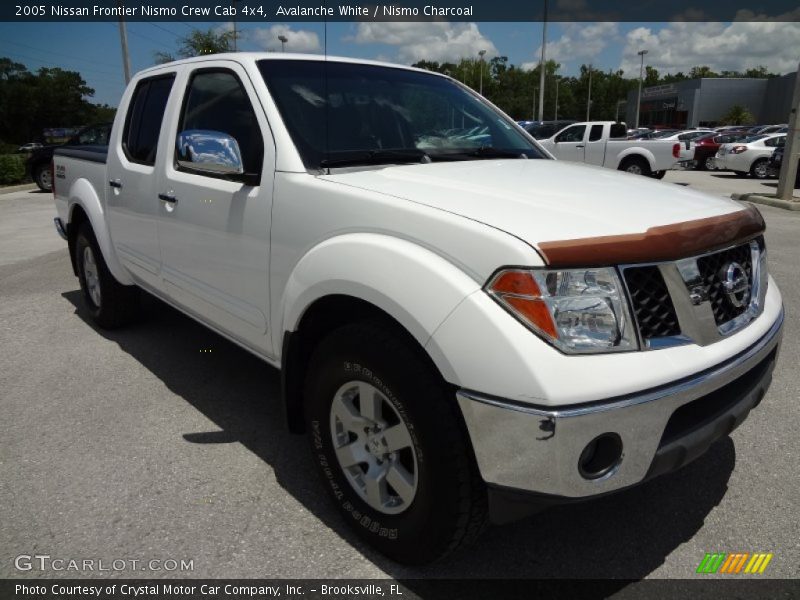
point(12, 168)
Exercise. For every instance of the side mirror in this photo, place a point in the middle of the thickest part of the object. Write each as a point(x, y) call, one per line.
point(211, 152)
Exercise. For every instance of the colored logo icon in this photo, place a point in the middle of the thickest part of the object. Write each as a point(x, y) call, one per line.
point(736, 563)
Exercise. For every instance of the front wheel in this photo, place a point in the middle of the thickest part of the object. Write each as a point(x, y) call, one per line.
point(386, 436)
point(710, 164)
point(110, 303)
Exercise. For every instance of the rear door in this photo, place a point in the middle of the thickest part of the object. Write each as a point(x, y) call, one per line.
point(214, 229)
point(569, 143)
point(131, 198)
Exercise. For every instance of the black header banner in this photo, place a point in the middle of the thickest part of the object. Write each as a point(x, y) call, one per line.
point(264, 11)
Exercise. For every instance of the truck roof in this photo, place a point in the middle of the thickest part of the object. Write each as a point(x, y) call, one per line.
point(255, 56)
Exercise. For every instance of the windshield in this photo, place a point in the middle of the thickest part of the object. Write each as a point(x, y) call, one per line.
point(340, 114)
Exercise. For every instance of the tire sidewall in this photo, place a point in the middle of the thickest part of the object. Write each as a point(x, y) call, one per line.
point(760, 162)
point(86, 240)
point(430, 514)
point(38, 178)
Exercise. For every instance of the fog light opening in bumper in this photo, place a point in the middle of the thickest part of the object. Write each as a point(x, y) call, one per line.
point(600, 456)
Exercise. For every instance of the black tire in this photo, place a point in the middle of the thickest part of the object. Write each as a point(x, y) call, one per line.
point(43, 178)
point(449, 506)
point(658, 174)
point(760, 169)
point(117, 304)
point(635, 165)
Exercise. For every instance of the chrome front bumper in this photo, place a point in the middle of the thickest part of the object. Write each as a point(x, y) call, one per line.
point(538, 449)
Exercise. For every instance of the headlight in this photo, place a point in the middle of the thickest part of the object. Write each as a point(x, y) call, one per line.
point(577, 310)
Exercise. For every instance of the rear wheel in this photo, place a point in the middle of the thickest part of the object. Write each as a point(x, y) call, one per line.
point(635, 165)
point(658, 174)
point(110, 303)
point(43, 177)
point(709, 164)
point(389, 444)
point(760, 169)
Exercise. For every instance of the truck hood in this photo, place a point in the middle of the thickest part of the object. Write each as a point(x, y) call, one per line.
point(541, 200)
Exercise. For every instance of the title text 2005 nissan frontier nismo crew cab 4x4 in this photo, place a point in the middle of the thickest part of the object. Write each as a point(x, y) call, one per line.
point(463, 324)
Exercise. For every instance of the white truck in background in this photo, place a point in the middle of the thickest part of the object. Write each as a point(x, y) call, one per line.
point(465, 328)
point(603, 143)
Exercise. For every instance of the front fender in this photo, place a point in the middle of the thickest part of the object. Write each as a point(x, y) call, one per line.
point(83, 194)
point(414, 285)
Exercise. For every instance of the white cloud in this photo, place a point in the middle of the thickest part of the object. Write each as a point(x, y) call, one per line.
point(300, 40)
point(578, 41)
point(723, 47)
point(439, 41)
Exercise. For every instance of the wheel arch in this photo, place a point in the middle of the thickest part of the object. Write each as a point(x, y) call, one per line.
point(357, 277)
point(637, 153)
point(85, 205)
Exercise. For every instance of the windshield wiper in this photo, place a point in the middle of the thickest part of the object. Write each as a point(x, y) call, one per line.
point(482, 152)
point(378, 157)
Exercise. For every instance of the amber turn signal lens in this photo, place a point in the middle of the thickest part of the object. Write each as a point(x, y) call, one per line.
point(519, 291)
point(516, 282)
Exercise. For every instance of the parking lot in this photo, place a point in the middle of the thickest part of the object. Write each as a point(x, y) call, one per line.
point(164, 441)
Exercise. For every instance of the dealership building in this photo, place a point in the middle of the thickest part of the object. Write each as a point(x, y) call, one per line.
point(703, 102)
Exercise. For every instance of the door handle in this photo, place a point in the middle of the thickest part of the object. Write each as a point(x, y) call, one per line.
point(168, 198)
point(580, 146)
point(115, 183)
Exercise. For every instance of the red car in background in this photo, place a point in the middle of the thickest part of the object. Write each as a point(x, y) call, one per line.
point(706, 147)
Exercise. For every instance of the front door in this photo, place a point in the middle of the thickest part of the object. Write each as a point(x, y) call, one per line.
point(215, 229)
point(569, 143)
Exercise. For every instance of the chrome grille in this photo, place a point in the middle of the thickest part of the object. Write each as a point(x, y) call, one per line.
point(651, 303)
point(712, 268)
point(691, 300)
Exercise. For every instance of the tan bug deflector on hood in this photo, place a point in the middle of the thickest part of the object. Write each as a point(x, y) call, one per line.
point(657, 244)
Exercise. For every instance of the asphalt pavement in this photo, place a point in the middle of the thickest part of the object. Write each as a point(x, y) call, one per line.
point(165, 442)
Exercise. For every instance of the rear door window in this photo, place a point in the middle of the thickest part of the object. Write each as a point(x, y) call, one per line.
point(596, 133)
point(143, 121)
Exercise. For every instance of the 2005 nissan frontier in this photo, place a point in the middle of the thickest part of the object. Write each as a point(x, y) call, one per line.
point(465, 327)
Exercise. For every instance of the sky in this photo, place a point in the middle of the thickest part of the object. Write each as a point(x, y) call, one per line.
point(93, 49)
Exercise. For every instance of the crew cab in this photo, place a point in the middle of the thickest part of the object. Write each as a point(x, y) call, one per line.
point(605, 143)
point(466, 328)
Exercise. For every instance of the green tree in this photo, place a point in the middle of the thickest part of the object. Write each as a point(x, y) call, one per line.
point(702, 71)
point(198, 43)
point(738, 115)
point(51, 97)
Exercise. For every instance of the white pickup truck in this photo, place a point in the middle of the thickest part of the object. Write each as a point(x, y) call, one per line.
point(603, 143)
point(466, 328)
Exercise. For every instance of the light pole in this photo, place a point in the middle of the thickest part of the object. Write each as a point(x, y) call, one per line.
point(541, 72)
point(283, 40)
point(589, 96)
point(555, 118)
point(533, 117)
point(481, 53)
point(641, 77)
point(123, 40)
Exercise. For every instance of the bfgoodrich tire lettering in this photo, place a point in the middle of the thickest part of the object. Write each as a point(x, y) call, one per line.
point(447, 508)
